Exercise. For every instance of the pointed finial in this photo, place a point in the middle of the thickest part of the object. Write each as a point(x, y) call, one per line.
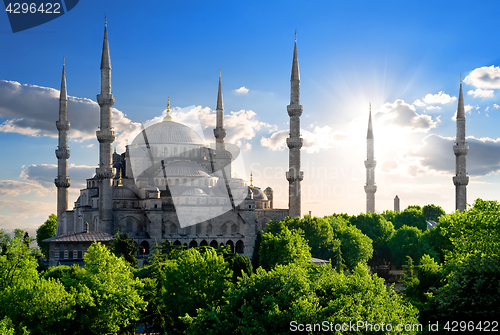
point(220, 73)
point(105, 20)
point(64, 60)
point(460, 78)
point(370, 107)
point(295, 35)
point(251, 179)
point(168, 117)
point(120, 181)
point(115, 151)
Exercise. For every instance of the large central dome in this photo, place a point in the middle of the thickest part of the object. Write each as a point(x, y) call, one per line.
point(168, 132)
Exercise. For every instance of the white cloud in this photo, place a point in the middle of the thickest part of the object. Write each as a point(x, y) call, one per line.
point(433, 107)
point(440, 98)
point(484, 77)
point(480, 93)
point(242, 90)
point(419, 103)
point(44, 174)
point(33, 110)
point(314, 141)
point(404, 115)
point(24, 214)
point(13, 188)
point(496, 106)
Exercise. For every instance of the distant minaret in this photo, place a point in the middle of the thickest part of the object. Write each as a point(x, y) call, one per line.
point(106, 137)
point(219, 130)
point(396, 204)
point(460, 149)
point(62, 153)
point(294, 142)
point(370, 163)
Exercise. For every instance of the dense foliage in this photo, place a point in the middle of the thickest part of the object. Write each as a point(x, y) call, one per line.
point(270, 302)
point(46, 230)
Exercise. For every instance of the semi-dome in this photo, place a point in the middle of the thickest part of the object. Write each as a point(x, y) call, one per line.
point(123, 193)
point(184, 169)
point(258, 194)
point(168, 132)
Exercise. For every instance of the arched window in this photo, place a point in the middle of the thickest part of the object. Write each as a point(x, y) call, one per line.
point(223, 229)
point(177, 242)
point(144, 245)
point(80, 251)
point(193, 244)
point(173, 229)
point(209, 229)
point(230, 244)
point(61, 251)
point(203, 243)
point(214, 244)
point(240, 247)
point(70, 251)
point(234, 229)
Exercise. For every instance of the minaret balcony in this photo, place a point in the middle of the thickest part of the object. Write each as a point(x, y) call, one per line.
point(62, 153)
point(105, 173)
point(64, 182)
point(370, 164)
point(461, 180)
point(105, 135)
point(294, 143)
point(291, 176)
point(219, 133)
point(62, 125)
point(105, 100)
point(370, 188)
point(294, 110)
point(460, 149)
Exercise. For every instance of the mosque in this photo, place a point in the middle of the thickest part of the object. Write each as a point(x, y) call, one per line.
point(168, 185)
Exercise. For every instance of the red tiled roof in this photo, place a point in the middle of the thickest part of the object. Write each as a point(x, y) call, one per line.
point(82, 236)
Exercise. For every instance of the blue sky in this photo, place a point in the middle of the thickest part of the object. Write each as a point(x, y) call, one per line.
point(404, 57)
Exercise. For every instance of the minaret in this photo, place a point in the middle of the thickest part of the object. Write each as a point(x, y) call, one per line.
point(219, 130)
point(370, 163)
point(460, 149)
point(294, 142)
point(106, 137)
point(62, 153)
point(396, 204)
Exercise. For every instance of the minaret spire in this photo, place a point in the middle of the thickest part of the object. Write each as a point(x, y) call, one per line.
point(294, 142)
point(460, 180)
point(106, 137)
point(370, 163)
point(62, 153)
point(219, 131)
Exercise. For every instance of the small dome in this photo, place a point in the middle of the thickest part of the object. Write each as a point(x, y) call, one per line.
point(168, 132)
point(123, 193)
point(184, 169)
point(195, 191)
point(258, 194)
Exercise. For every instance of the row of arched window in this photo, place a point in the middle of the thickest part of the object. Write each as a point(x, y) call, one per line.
point(239, 248)
point(168, 151)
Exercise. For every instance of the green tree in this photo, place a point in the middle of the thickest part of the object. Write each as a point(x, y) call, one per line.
point(46, 230)
point(355, 246)
point(124, 246)
point(432, 212)
point(405, 243)
point(192, 281)
point(472, 290)
point(376, 227)
point(107, 295)
point(268, 302)
point(285, 247)
point(411, 217)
